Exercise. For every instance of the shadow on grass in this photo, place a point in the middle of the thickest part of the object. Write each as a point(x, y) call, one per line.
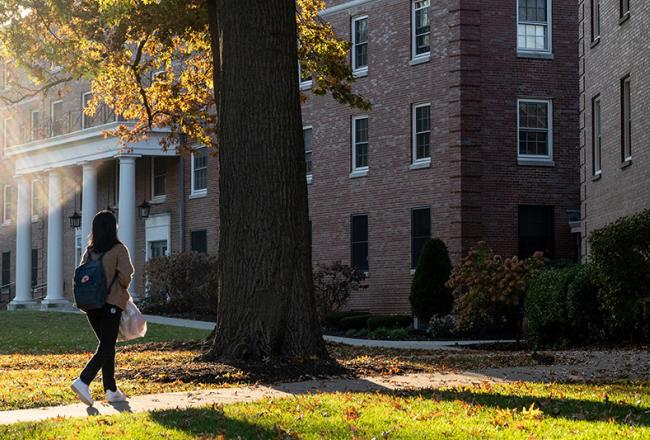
point(200, 422)
point(564, 408)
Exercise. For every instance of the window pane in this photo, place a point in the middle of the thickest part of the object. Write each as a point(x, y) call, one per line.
point(360, 242)
point(360, 43)
point(422, 132)
point(533, 128)
point(420, 232)
point(199, 241)
point(361, 142)
point(422, 27)
point(34, 267)
point(536, 230)
point(307, 135)
point(596, 140)
point(626, 119)
point(200, 158)
point(6, 268)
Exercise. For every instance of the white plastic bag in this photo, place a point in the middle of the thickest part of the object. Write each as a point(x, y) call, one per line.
point(132, 323)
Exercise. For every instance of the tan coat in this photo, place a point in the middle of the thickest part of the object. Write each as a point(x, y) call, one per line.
point(116, 260)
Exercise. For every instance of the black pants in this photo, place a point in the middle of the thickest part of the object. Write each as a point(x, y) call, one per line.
point(105, 323)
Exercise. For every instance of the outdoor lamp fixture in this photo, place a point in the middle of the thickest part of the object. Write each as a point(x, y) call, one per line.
point(75, 220)
point(144, 209)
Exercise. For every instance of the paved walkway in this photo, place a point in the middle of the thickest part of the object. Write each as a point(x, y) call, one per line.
point(199, 398)
point(407, 345)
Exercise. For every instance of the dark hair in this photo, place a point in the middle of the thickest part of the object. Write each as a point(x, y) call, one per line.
point(104, 234)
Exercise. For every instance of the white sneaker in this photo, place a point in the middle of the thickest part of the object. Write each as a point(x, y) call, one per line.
point(82, 391)
point(115, 396)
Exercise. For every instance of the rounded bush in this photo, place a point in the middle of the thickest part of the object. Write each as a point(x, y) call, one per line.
point(375, 321)
point(429, 292)
point(354, 322)
point(333, 320)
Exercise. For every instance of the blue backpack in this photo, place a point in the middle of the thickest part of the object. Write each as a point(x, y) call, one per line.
point(90, 291)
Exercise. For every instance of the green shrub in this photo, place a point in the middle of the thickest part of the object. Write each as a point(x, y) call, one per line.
point(354, 322)
point(441, 326)
point(620, 254)
point(375, 321)
point(362, 333)
point(398, 334)
point(562, 307)
point(381, 333)
point(333, 320)
point(429, 292)
point(546, 308)
point(183, 284)
point(351, 333)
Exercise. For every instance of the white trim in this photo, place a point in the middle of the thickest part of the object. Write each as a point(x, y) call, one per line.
point(549, 114)
point(596, 171)
point(626, 109)
point(5, 135)
point(414, 133)
point(35, 196)
point(52, 104)
point(358, 171)
point(5, 219)
point(363, 70)
point(424, 58)
point(421, 164)
point(549, 31)
point(195, 193)
point(414, 55)
point(343, 7)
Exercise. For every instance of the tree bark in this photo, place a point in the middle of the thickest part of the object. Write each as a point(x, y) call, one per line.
point(266, 302)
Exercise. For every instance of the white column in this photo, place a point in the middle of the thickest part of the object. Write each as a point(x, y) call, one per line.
point(88, 200)
point(23, 244)
point(126, 206)
point(55, 241)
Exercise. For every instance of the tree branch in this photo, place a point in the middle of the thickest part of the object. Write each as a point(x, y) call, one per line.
point(34, 92)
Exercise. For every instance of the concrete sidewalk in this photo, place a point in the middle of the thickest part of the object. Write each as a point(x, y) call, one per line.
point(181, 400)
point(406, 345)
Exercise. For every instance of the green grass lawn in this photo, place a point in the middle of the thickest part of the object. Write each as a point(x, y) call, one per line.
point(38, 332)
point(515, 411)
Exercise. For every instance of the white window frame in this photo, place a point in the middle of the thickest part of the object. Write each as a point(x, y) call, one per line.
point(307, 84)
point(78, 247)
point(5, 133)
point(532, 159)
point(363, 70)
point(52, 104)
point(197, 192)
point(414, 133)
point(157, 228)
point(626, 116)
point(597, 142)
point(160, 197)
point(34, 130)
point(414, 55)
point(310, 176)
point(6, 84)
point(6, 220)
point(595, 23)
point(358, 171)
point(549, 31)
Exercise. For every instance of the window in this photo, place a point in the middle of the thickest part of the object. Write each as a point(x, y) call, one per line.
point(360, 242)
point(536, 228)
point(103, 114)
point(86, 121)
point(360, 143)
point(7, 79)
point(307, 135)
point(626, 120)
point(157, 248)
point(304, 77)
point(57, 118)
point(6, 269)
point(595, 20)
point(199, 241)
point(78, 248)
point(420, 232)
point(421, 132)
point(200, 171)
point(625, 8)
point(36, 125)
point(10, 136)
point(534, 25)
point(534, 122)
point(360, 44)
point(596, 141)
point(34, 268)
point(7, 204)
point(159, 177)
point(421, 28)
point(37, 199)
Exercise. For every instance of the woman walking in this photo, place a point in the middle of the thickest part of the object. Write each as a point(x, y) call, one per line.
point(105, 321)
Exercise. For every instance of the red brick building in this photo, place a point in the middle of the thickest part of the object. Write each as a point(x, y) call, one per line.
point(473, 135)
point(615, 157)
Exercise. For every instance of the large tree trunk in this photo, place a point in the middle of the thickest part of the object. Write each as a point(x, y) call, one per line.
point(266, 303)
